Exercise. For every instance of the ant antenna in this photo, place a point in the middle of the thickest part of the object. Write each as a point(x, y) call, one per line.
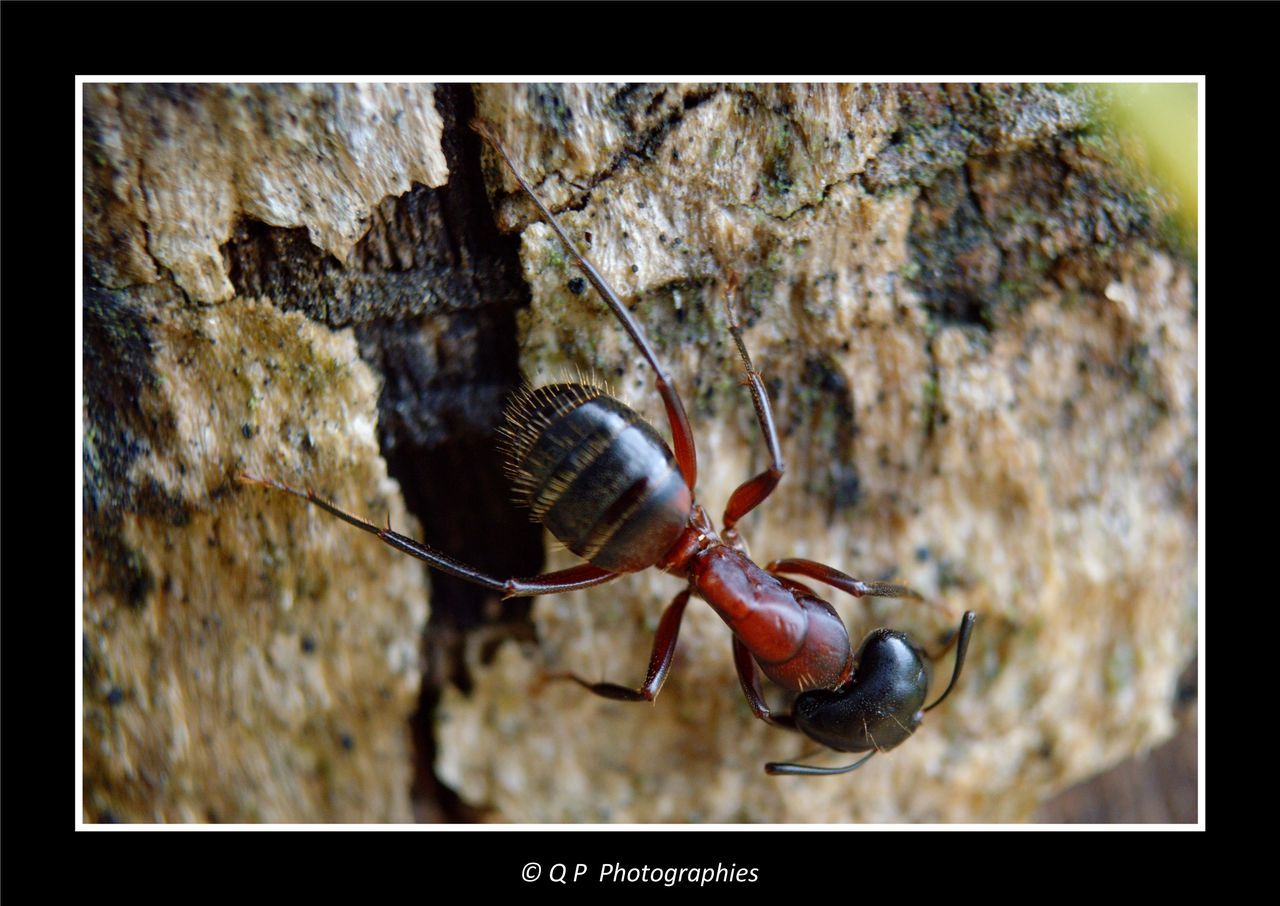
point(966, 627)
point(809, 770)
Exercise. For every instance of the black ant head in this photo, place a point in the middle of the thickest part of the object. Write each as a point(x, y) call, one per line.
point(881, 704)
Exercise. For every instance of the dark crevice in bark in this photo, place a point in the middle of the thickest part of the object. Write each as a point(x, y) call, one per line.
point(447, 377)
point(431, 290)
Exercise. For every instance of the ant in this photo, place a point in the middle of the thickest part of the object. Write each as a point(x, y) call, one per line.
point(605, 483)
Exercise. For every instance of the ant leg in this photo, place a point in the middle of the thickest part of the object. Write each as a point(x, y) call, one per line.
point(843, 581)
point(664, 649)
point(749, 676)
point(751, 493)
point(681, 433)
point(583, 575)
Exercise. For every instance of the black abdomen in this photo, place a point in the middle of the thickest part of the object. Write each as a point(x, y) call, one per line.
point(596, 474)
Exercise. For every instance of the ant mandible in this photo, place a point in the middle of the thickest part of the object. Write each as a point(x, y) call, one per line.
point(604, 482)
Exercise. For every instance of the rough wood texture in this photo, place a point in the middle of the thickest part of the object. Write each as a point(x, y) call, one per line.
point(169, 169)
point(982, 359)
point(980, 348)
point(241, 661)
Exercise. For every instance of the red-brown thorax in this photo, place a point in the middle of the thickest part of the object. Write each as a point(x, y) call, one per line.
point(798, 639)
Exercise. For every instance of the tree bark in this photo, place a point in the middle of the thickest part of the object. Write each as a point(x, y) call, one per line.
point(978, 336)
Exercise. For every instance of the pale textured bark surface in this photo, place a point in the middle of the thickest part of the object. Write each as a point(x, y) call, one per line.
point(240, 665)
point(980, 350)
point(983, 369)
point(171, 168)
point(242, 662)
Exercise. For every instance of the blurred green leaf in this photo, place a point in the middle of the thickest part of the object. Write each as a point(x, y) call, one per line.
point(1162, 119)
